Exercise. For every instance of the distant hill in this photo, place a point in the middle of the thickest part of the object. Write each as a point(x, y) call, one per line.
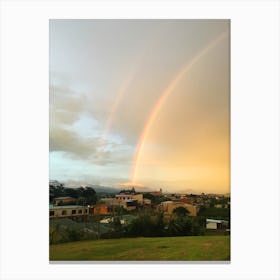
point(103, 189)
point(98, 188)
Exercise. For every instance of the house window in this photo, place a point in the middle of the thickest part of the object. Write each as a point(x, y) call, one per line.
point(73, 212)
point(51, 213)
point(80, 211)
point(64, 212)
point(85, 210)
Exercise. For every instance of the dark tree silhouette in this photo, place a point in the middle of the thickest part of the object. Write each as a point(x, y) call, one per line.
point(181, 211)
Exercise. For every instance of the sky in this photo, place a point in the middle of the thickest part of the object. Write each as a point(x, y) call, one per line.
point(140, 102)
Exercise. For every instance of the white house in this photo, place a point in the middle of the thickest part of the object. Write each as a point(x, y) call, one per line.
point(216, 224)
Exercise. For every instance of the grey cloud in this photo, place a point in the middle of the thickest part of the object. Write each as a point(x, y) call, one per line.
point(62, 139)
point(66, 106)
point(89, 149)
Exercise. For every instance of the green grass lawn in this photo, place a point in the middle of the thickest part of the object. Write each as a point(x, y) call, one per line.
point(188, 248)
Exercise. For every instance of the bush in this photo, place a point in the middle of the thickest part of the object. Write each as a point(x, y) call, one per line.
point(66, 230)
point(215, 213)
point(146, 225)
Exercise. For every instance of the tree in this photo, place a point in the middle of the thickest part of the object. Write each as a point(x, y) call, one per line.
point(181, 211)
point(179, 223)
point(56, 189)
point(215, 213)
point(198, 225)
point(119, 210)
point(160, 199)
point(159, 224)
point(90, 195)
point(71, 192)
point(179, 226)
point(146, 225)
point(175, 227)
point(86, 196)
point(149, 196)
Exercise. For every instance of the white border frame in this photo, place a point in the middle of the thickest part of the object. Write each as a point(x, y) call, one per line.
point(254, 142)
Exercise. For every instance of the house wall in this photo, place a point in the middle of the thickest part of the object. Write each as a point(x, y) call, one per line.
point(171, 206)
point(64, 200)
point(101, 210)
point(129, 208)
point(122, 197)
point(147, 201)
point(138, 197)
point(211, 225)
point(67, 212)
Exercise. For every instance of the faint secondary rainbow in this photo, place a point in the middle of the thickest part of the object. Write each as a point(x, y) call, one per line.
point(161, 101)
point(119, 96)
point(137, 64)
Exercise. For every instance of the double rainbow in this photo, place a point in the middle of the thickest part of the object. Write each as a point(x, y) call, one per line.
point(160, 102)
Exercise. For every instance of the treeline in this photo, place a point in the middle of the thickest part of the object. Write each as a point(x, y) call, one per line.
point(179, 223)
point(145, 224)
point(215, 213)
point(67, 230)
point(83, 195)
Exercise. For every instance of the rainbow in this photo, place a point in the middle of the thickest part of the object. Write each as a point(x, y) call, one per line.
point(160, 102)
point(119, 97)
point(137, 64)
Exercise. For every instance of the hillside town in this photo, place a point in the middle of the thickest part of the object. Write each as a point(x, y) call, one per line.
point(81, 213)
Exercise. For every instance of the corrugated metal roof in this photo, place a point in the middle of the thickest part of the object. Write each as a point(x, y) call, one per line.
point(64, 197)
point(216, 221)
point(67, 206)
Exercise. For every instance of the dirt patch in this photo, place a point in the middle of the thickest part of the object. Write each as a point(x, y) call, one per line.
point(208, 244)
point(163, 247)
point(87, 249)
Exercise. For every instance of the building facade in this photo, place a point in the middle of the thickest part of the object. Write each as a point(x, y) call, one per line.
point(64, 199)
point(68, 211)
point(168, 207)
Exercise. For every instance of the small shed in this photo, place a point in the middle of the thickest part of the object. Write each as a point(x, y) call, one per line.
point(64, 199)
point(216, 224)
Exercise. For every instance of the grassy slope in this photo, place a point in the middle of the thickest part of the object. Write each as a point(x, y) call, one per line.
point(197, 248)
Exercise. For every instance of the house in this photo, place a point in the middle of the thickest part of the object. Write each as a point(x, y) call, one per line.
point(169, 206)
point(110, 201)
point(139, 198)
point(147, 201)
point(172, 196)
point(68, 211)
point(185, 200)
point(102, 209)
point(64, 200)
point(156, 193)
point(130, 204)
point(126, 195)
point(218, 206)
point(216, 224)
